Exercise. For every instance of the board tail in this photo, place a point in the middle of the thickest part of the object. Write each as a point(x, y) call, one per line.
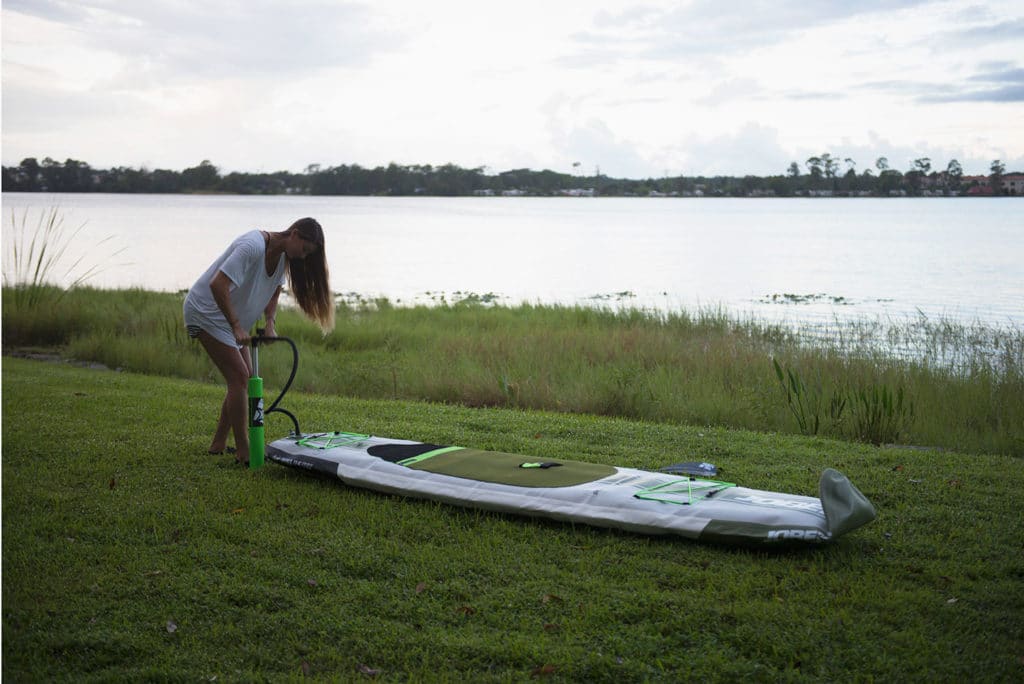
point(846, 508)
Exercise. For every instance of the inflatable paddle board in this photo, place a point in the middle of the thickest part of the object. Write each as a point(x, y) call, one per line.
point(565, 490)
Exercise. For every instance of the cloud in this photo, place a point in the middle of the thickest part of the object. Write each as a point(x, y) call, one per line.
point(704, 29)
point(1008, 94)
point(974, 155)
point(998, 32)
point(1001, 85)
point(59, 11)
point(30, 107)
point(812, 95)
point(730, 90)
point(1007, 73)
point(637, 87)
point(578, 133)
point(755, 148)
point(196, 39)
point(595, 142)
point(1001, 82)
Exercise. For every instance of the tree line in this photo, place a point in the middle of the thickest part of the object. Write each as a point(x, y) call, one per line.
point(823, 175)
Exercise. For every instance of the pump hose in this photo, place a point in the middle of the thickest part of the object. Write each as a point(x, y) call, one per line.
point(263, 339)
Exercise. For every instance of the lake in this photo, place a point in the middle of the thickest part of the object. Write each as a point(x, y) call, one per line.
point(795, 260)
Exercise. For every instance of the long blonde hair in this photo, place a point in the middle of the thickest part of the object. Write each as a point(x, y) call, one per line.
point(309, 278)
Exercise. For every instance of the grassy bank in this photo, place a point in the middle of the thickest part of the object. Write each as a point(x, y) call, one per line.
point(129, 555)
point(916, 382)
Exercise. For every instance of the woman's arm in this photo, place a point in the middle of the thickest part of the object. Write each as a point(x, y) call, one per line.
point(270, 313)
point(220, 287)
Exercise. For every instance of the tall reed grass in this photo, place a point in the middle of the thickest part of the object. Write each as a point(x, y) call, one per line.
point(700, 368)
point(37, 264)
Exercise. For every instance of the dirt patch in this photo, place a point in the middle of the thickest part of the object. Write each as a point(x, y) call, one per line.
point(53, 357)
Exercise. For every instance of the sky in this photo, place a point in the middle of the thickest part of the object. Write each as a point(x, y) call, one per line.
point(627, 88)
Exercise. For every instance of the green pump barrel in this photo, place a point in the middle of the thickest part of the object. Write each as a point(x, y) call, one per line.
point(256, 435)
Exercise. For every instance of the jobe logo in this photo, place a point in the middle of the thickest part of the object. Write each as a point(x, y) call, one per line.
point(802, 535)
point(256, 411)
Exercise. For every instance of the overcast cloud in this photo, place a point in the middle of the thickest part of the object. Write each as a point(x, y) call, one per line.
point(633, 88)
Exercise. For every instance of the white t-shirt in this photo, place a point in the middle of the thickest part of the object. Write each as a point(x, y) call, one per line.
point(251, 289)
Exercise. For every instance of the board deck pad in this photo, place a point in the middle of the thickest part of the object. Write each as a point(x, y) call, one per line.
point(577, 491)
point(512, 469)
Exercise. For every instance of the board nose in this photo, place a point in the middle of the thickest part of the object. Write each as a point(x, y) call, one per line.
point(846, 508)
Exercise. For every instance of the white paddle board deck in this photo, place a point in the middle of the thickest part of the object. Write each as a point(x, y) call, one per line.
point(559, 489)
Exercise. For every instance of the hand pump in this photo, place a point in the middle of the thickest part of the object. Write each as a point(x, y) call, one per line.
point(257, 440)
point(256, 434)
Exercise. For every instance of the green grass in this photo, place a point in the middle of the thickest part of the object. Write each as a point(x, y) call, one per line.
point(129, 555)
point(919, 382)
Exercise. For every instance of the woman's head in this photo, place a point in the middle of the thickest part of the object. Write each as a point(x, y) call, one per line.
point(308, 275)
point(306, 237)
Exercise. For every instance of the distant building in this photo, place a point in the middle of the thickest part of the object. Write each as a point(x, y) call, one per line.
point(1013, 183)
point(976, 185)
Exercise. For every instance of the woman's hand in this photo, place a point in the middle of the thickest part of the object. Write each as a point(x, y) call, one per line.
point(242, 337)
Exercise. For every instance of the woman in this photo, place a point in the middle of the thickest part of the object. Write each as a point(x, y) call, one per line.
point(244, 282)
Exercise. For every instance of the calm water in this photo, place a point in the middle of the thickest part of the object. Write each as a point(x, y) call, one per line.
point(955, 258)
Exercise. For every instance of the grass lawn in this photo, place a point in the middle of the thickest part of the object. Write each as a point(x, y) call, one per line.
point(129, 554)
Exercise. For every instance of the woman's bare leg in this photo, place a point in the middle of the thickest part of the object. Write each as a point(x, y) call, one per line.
point(220, 437)
point(236, 367)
